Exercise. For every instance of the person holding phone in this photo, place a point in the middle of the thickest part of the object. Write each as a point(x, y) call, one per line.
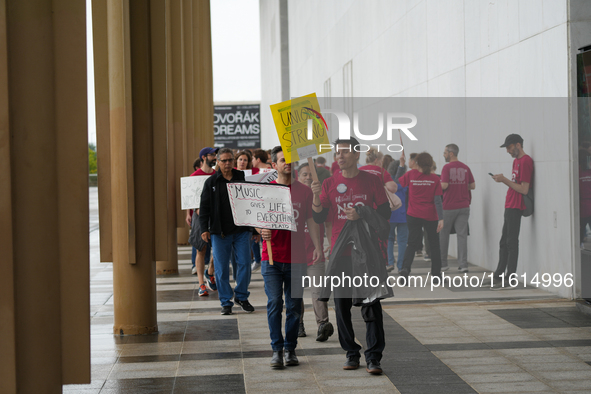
point(521, 180)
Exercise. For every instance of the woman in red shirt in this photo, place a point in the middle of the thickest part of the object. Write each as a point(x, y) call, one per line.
point(244, 162)
point(425, 210)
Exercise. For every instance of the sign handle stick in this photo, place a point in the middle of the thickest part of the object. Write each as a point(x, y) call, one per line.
point(313, 169)
point(270, 252)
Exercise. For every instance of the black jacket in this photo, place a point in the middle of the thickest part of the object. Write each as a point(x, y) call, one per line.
point(366, 256)
point(209, 208)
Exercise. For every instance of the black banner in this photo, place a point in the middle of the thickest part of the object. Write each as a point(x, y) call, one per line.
point(237, 126)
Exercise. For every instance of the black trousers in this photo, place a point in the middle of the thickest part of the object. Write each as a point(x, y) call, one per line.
point(415, 237)
point(372, 315)
point(509, 245)
point(374, 329)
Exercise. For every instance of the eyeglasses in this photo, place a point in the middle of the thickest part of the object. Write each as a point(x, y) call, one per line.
point(226, 161)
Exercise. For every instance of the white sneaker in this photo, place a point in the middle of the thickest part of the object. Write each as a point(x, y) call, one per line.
point(463, 269)
point(445, 268)
point(255, 266)
point(194, 271)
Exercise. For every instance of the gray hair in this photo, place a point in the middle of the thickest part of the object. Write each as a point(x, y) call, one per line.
point(223, 151)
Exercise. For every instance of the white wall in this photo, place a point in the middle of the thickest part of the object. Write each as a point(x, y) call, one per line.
point(455, 48)
point(431, 48)
point(270, 69)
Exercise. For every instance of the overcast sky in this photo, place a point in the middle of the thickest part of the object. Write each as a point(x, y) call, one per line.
point(236, 54)
point(236, 50)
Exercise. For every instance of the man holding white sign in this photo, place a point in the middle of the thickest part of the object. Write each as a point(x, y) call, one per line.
point(217, 224)
point(289, 263)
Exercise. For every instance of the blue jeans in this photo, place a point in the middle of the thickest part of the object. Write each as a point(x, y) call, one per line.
point(402, 229)
point(194, 255)
point(238, 243)
point(256, 251)
point(278, 282)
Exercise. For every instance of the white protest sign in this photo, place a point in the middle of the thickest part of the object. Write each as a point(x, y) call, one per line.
point(307, 151)
point(266, 177)
point(191, 187)
point(262, 206)
point(266, 170)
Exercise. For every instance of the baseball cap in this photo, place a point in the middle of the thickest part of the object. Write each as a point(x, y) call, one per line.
point(512, 139)
point(207, 151)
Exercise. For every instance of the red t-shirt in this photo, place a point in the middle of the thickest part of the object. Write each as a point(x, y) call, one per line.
point(310, 245)
point(334, 168)
point(585, 192)
point(283, 240)
point(199, 172)
point(379, 171)
point(459, 177)
point(339, 193)
point(422, 190)
point(523, 171)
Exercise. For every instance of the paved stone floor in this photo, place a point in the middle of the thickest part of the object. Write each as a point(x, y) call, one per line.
point(447, 341)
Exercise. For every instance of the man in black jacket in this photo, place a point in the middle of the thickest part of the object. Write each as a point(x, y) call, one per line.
point(337, 198)
point(217, 224)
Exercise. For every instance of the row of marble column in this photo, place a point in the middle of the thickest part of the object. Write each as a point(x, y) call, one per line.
point(154, 107)
point(154, 97)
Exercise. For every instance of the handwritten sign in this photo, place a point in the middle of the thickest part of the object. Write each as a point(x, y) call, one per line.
point(265, 177)
point(292, 119)
point(262, 206)
point(191, 187)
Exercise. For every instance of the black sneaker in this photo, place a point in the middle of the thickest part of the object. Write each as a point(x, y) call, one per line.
point(245, 305)
point(352, 363)
point(324, 331)
point(302, 330)
point(373, 367)
point(227, 310)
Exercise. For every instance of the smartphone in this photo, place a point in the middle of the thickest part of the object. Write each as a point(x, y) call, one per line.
point(490, 174)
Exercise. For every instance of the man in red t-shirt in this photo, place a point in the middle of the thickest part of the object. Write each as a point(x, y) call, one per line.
point(207, 158)
point(337, 198)
point(456, 182)
point(289, 264)
point(520, 183)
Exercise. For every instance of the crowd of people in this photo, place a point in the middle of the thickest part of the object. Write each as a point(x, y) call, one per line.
point(421, 207)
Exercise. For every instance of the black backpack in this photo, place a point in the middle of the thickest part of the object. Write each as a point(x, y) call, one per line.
point(528, 199)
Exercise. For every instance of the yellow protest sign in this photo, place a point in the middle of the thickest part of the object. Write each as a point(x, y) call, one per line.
point(291, 122)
